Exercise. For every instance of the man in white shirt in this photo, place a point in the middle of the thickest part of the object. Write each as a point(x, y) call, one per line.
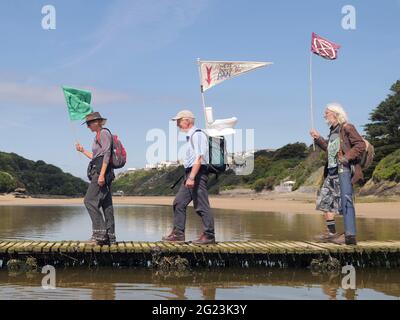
point(194, 186)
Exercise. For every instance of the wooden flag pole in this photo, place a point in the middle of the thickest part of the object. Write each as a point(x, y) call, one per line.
point(202, 94)
point(311, 99)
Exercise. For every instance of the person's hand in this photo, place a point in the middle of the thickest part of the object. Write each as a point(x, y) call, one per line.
point(314, 134)
point(189, 183)
point(101, 181)
point(79, 147)
point(343, 160)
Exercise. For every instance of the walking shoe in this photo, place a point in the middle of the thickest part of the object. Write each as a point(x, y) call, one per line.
point(204, 239)
point(111, 240)
point(343, 239)
point(325, 237)
point(94, 242)
point(174, 236)
point(350, 240)
point(338, 240)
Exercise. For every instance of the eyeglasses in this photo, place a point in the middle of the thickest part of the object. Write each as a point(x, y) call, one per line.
point(89, 123)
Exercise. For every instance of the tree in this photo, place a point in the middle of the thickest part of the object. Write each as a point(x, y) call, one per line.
point(7, 182)
point(384, 130)
point(37, 177)
point(259, 185)
point(291, 151)
point(388, 168)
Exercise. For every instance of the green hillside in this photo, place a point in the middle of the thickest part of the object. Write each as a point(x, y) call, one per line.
point(38, 178)
point(388, 168)
point(270, 167)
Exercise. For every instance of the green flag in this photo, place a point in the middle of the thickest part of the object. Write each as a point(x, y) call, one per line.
point(78, 103)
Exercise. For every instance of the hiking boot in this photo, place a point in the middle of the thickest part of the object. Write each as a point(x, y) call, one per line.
point(338, 240)
point(111, 240)
point(174, 236)
point(204, 239)
point(343, 239)
point(94, 242)
point(325, 237)
point(350, 240)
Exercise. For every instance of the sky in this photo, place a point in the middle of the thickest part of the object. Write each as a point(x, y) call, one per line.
point(138, 58)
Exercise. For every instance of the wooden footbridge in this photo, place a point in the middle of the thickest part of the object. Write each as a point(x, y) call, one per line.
point(223, 254)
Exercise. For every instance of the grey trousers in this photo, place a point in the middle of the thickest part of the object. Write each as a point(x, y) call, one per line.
point(199, 196)
point(97, 198)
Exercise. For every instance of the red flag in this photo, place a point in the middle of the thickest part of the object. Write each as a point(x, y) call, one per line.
point(324, 48)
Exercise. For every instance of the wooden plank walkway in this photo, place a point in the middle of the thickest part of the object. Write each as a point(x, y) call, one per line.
point(129, 252)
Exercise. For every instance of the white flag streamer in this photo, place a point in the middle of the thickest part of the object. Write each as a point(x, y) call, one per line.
point(214, 72)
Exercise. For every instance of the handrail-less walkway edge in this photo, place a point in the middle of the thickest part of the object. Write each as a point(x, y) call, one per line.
point(225, 254)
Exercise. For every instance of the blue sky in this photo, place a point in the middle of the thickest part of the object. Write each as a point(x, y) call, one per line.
point(139, 59)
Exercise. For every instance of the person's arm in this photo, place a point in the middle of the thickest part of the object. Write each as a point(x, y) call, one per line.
point(195, 169)
point(80, 148)
point(320, 142)
point(200, 145)
point(356, 141)
point(105, 142)
point(102, 177)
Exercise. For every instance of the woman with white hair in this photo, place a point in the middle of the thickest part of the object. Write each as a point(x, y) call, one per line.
point(344, 148)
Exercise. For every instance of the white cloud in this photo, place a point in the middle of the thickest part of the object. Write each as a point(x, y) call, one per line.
point(27, 94)
point(7, 124)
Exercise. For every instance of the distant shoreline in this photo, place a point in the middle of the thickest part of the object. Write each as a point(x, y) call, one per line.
point(287, 203)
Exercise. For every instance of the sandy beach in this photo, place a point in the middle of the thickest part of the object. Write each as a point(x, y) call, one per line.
point(288, 203)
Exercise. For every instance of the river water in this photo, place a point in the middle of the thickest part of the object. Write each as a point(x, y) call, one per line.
point(150, 223)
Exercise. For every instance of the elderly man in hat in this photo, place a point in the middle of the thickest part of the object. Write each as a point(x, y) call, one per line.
point(100, 175)
point(194, 186)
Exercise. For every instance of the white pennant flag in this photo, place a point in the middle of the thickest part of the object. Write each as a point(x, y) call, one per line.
point(214, 72)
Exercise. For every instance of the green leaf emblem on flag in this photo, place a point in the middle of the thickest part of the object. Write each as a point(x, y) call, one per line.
point(78, 102)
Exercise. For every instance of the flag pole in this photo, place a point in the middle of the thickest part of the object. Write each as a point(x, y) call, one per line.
point(202, 93)
point(74, 133)
point(311, 99)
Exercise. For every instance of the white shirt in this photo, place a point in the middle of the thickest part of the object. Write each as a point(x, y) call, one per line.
point(197, 145)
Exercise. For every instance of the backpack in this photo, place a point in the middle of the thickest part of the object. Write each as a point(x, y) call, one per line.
point(118, 153)
point(367, 156)
point(216, 153)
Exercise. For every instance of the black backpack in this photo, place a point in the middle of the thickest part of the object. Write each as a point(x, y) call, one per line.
point(216, 153)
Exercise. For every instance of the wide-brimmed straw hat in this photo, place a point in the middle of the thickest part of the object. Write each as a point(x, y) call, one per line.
point(94, 116)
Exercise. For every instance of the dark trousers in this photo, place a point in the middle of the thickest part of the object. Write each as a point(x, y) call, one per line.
point(97, 198)
point(199, 196)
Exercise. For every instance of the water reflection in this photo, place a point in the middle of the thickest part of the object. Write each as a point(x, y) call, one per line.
point(150, 223)
point(240, 284)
